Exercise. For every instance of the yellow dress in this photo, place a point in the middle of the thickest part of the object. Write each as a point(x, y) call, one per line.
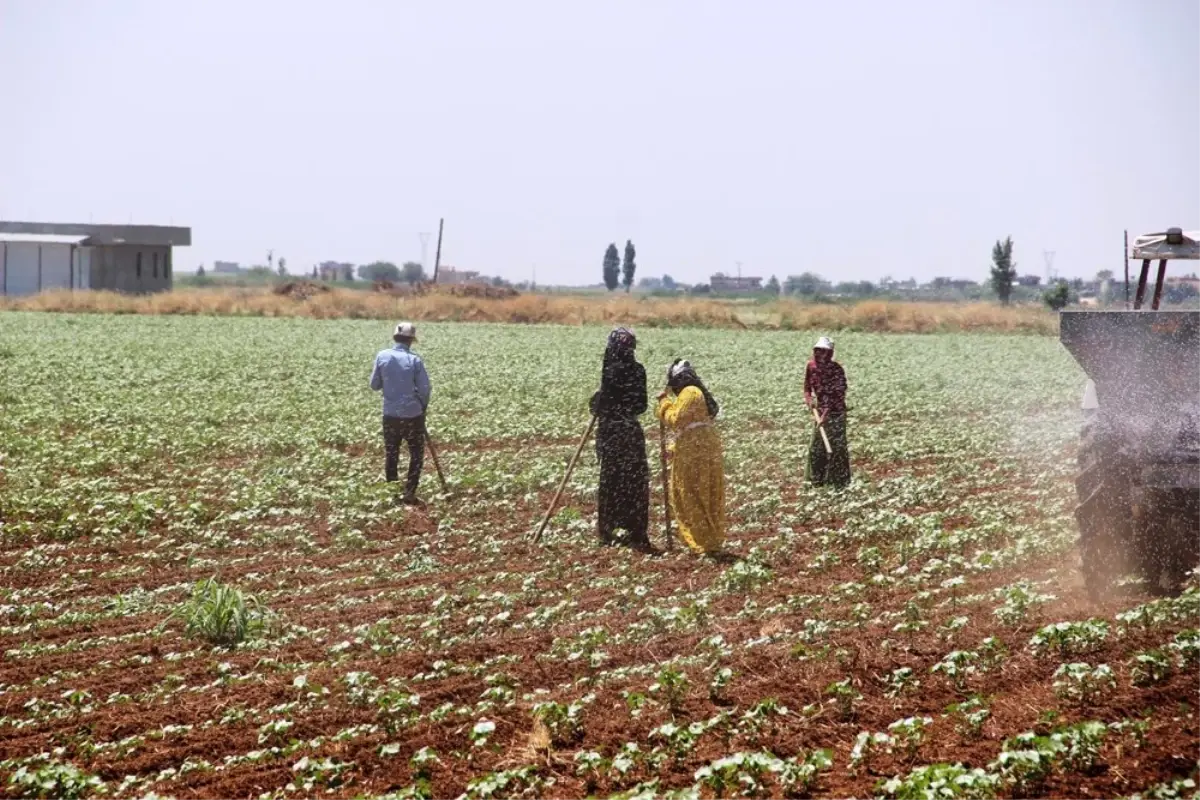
point(697, 484)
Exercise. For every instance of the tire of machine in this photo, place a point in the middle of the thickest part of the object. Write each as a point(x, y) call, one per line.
point(1169, 539)
point(1104, 514)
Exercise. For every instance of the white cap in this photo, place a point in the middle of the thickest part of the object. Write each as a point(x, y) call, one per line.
point(824, 343)
point(406, 330)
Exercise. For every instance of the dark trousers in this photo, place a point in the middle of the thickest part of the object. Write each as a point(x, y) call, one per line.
point(826, 468)
point(623, 499)
point(395, 431)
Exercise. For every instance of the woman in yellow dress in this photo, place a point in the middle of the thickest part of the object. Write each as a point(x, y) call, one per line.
point(697, 485)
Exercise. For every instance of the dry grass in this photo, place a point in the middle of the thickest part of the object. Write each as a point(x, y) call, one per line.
point(875, 316)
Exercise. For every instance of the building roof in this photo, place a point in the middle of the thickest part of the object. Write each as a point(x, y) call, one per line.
point(148, 235)
point(41, 238)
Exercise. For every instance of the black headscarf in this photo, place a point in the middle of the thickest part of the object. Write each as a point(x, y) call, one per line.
point(621, 344)
point(622, 380)
point(687, 376)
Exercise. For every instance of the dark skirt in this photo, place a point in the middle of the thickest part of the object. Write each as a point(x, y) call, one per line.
point(825, 468)
point(624, 497)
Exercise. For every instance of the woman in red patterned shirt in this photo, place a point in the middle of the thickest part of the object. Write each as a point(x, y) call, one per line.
point(825, 389)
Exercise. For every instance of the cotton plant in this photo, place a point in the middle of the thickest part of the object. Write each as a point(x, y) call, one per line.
point(251, 470)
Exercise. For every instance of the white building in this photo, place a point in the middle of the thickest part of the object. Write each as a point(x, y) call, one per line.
point(456, 277)
point(38, 256)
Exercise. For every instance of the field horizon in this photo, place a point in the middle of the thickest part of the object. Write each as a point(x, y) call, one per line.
point(876, 316)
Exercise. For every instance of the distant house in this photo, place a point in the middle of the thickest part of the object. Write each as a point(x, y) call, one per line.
point(227, 267)
point(453, 276)
point(726, 283)
point(335, 271)
point(1184, 281)
point(36, 256)
point(959, 284)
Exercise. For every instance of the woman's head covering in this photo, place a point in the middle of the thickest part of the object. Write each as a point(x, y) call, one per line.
point(823, 350)
point(620, 347)
point(621, 341)
point(682, 374)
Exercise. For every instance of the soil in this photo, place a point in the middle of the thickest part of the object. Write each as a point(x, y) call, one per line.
point(353, 594)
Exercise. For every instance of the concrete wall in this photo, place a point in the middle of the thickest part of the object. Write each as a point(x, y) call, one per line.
point(30, 267)
point(20, 267)
point(135, 269)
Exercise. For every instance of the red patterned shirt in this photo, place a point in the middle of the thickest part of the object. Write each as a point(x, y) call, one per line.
point(828, 382)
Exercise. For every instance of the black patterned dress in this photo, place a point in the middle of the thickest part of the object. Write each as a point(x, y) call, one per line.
point(623, 499)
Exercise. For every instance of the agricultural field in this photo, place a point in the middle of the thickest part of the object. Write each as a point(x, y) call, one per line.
point(206, 590)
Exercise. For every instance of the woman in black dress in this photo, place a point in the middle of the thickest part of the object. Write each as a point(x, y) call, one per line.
point(624, 495)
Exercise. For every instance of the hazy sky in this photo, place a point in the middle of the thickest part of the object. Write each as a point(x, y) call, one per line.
point(856, 139)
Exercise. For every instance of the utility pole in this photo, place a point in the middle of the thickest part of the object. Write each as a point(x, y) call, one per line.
point(424, 249)
point(1127, 270)
point(739, 267)
point(1050, 273)
point(437, 260)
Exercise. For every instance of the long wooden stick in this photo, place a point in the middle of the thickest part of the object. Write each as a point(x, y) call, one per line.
point(436, 462)
point(537, 537)
point(662, 455)
point(821, 428)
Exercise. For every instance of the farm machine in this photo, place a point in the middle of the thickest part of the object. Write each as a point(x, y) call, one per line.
point(1139, 452)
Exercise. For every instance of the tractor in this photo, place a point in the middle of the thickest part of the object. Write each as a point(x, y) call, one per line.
point(1138, 485)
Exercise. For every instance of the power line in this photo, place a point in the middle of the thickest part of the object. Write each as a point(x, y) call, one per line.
point(1051, 275)
point(424, 248)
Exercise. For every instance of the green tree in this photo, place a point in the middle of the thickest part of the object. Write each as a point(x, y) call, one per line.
point(282, 266)
point(807, 284)
point(612, 267)
point(1057, 296)
point(628, 267)
point(200, 271)
point(1181, 292)
point(773, 285)
point(668, 282)
point(412, 272)
point(857, 288)
point(1104, 275)
point(1004, 270)
point(380, 271)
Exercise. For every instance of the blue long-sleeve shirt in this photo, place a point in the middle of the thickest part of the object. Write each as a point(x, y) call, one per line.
point(401, 375)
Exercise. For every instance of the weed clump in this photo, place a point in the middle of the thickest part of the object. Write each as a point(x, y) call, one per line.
point(222, 614)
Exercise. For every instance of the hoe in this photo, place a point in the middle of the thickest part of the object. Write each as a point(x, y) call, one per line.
point(1139, 453)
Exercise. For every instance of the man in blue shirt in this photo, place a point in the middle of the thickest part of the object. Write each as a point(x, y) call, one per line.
point(400, 374)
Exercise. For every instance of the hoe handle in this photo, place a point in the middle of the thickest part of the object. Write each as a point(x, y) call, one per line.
point(821, 428)
point(537, 537)
point(437, 464)
point(662, 455)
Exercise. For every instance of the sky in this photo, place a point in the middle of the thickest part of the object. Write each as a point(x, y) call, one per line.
point(857, 139)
